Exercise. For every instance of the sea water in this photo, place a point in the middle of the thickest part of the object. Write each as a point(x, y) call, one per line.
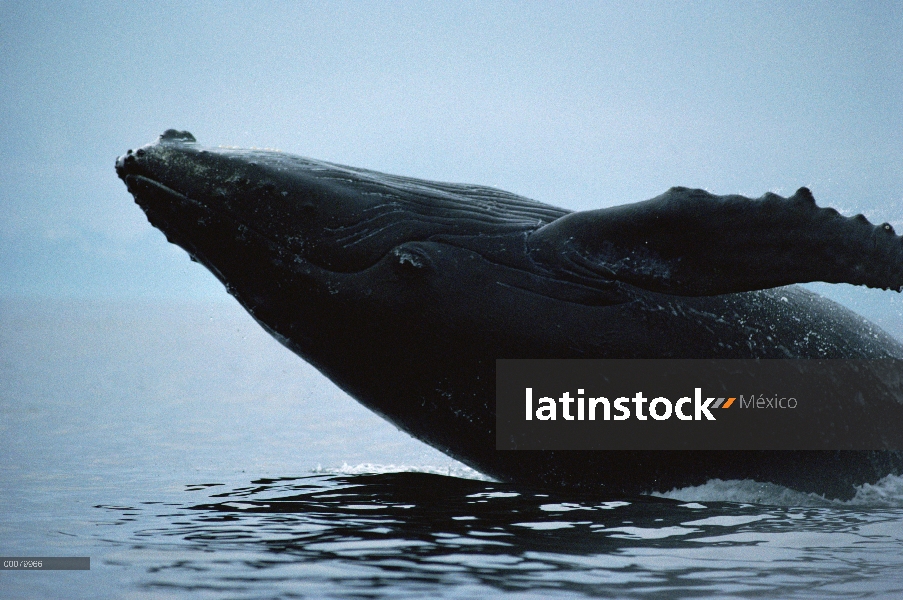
point(189, 455)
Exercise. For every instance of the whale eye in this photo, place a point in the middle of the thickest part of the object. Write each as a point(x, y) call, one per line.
point(410, 261)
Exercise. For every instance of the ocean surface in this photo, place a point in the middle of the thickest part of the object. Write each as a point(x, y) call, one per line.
point(189, 455)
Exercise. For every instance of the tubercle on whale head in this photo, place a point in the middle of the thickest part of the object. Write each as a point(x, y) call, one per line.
point(174, 135)
point(130, 158)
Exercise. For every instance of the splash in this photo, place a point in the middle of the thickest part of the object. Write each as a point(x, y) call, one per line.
point(885, 493)
point(460, 471)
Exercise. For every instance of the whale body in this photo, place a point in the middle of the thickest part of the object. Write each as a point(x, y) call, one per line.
point(404, 292)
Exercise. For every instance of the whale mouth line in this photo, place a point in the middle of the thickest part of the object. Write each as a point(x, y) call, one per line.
point(131, 179)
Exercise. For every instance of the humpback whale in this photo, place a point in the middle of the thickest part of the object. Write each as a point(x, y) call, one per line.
point(404, 292)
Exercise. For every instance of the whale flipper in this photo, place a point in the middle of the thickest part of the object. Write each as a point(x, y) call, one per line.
point(691, 243)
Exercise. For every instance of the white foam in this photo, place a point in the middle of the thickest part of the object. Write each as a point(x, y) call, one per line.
point(886, 493)
point(460, 471)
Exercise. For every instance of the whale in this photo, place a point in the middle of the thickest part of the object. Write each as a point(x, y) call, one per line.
point(404, 292)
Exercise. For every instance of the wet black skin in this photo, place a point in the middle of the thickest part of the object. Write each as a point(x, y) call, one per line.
point(405, 292)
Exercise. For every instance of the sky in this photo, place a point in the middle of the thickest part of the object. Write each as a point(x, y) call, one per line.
point(581, 105)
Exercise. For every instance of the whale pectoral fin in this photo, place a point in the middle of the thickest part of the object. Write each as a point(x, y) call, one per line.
point(692, 243)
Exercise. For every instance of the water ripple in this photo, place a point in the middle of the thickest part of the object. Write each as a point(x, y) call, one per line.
point(415, 534)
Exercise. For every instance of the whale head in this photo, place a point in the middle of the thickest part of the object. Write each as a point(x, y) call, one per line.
point(338, 218)
point(286, 234)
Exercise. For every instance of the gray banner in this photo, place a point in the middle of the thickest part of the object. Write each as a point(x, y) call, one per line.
point(699, 404)
point(45, 563)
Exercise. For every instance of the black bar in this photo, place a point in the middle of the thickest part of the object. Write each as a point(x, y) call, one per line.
point(45, 563)
point(812, 404)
